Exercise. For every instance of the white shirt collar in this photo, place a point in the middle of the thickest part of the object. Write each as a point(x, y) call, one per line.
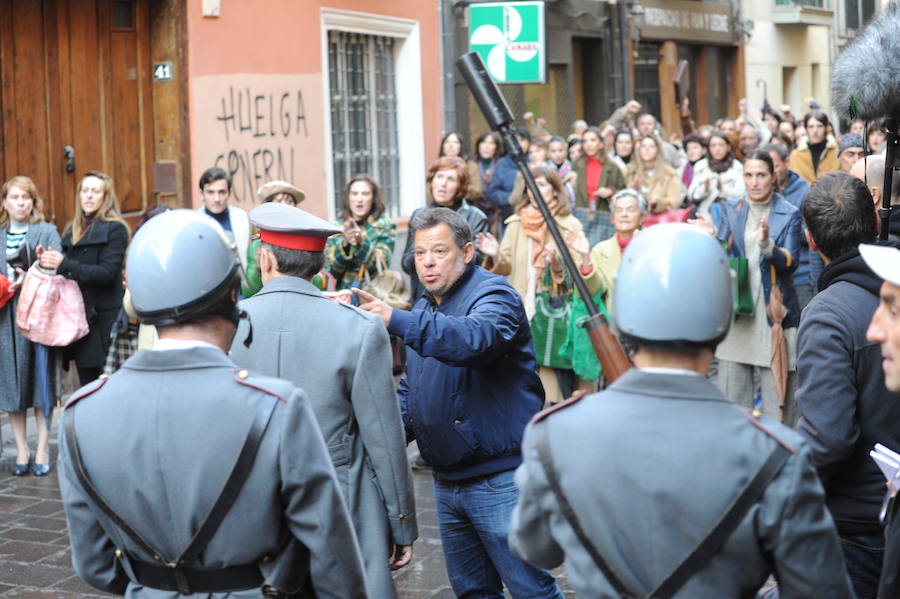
point(168, 344)
point(660, 370)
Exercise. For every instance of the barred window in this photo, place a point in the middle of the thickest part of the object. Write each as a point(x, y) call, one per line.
point(362, 75)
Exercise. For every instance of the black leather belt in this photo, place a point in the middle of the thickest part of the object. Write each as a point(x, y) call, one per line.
point(197, 580)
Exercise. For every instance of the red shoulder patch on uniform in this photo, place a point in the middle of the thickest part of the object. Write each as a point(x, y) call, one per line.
point(87, 390)
point(753, 420)
point(563, 404)
point(241, 376)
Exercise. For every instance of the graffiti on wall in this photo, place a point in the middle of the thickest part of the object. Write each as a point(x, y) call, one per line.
point(260, 128)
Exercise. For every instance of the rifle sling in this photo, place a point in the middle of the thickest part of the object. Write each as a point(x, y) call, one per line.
point(702, 552)
point(240, 471)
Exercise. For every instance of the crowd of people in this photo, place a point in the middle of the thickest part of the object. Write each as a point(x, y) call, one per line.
point(493, 313)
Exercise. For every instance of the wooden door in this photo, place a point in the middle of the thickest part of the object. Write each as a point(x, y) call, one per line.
point(76, 73)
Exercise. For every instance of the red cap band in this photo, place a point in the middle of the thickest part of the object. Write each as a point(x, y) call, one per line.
point(293, 241)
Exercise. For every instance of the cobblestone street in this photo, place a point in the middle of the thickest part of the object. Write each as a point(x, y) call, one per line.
point(35, 561)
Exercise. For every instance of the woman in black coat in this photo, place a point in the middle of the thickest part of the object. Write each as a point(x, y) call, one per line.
point(94, 246)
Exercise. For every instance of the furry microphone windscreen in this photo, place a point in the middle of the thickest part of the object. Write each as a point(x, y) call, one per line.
point(865, 79)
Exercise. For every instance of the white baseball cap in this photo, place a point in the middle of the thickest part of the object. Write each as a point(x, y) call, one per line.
point(883, 260)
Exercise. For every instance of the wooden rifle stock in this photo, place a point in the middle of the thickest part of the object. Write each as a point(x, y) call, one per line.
point(610, 354)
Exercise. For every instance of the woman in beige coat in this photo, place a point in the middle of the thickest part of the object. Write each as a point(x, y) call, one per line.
point(528, 250)
point(648, 173)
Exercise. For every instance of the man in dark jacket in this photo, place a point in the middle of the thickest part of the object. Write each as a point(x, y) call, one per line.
point(470, 388)
point(841, 394)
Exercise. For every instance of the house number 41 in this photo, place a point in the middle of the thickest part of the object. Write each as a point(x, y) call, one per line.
point(162, 71)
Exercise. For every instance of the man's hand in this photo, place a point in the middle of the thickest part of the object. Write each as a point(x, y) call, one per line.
point(373, 305)
point(401, 555)
point(633, 107)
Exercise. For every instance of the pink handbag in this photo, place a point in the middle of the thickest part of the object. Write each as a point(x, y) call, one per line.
point(51, 309)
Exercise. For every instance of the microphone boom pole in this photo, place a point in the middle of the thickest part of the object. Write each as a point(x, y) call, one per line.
point(892, 139)
point(499, 117)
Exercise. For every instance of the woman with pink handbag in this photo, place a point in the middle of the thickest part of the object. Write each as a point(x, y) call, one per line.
point(26, 368)
point(93, 247)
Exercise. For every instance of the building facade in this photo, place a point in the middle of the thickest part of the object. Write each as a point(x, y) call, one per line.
point(155, 91)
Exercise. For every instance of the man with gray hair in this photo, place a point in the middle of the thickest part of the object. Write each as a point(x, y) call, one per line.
point(471, 386)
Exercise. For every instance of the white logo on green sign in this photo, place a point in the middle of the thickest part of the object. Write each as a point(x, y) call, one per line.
point(509, 36)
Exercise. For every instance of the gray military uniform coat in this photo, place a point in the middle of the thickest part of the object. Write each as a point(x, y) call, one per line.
point(17, 378)
point(340, 356)
point(158, 439)
point(649, 465)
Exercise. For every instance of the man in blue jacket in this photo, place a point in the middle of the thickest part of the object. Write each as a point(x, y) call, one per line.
point(470, 388)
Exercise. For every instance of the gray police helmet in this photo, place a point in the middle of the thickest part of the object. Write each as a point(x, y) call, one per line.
point(180, 265)
point(674, 285)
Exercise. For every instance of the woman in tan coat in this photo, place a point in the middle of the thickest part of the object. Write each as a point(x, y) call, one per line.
point(648, 173)
point(528, 253)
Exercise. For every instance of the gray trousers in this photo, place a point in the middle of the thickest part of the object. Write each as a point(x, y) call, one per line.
point(738, 382)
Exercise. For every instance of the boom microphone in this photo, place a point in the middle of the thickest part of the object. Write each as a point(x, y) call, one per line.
point(865, 80)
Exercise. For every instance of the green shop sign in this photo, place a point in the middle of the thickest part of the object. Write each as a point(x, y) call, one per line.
point(509, 36)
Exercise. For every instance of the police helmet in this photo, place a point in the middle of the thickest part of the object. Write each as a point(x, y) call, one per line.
point(181, 266)
point(674, 287)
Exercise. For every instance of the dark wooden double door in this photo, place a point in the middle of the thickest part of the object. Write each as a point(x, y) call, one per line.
point(75, 78)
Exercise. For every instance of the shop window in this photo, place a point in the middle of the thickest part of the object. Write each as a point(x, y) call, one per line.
point(364, 119)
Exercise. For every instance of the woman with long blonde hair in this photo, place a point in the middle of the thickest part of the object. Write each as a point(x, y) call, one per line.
point(649, 174)
point(530, 260)
point(26, 368)
point(93, 250)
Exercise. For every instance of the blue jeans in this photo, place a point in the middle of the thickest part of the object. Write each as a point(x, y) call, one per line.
point(473, 517)
point(863, 555)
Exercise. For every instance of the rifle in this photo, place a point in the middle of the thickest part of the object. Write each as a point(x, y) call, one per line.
point(499, 117)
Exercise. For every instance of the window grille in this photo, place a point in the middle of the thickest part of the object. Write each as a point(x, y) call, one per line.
point(362, 75)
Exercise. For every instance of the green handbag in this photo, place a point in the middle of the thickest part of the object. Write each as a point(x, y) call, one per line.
point(550, 326)
point(741, 297)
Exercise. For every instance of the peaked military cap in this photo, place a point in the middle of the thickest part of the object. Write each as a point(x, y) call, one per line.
point(292, 228)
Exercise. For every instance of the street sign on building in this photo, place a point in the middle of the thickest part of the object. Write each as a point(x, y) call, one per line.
point(510, 38)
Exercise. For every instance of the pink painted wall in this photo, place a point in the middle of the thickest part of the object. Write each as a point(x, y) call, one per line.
point(256, 89)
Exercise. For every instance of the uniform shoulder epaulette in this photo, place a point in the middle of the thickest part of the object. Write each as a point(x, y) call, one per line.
point(244, 377)
point(560, 406)
point(753, 417)
point(88, 389)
